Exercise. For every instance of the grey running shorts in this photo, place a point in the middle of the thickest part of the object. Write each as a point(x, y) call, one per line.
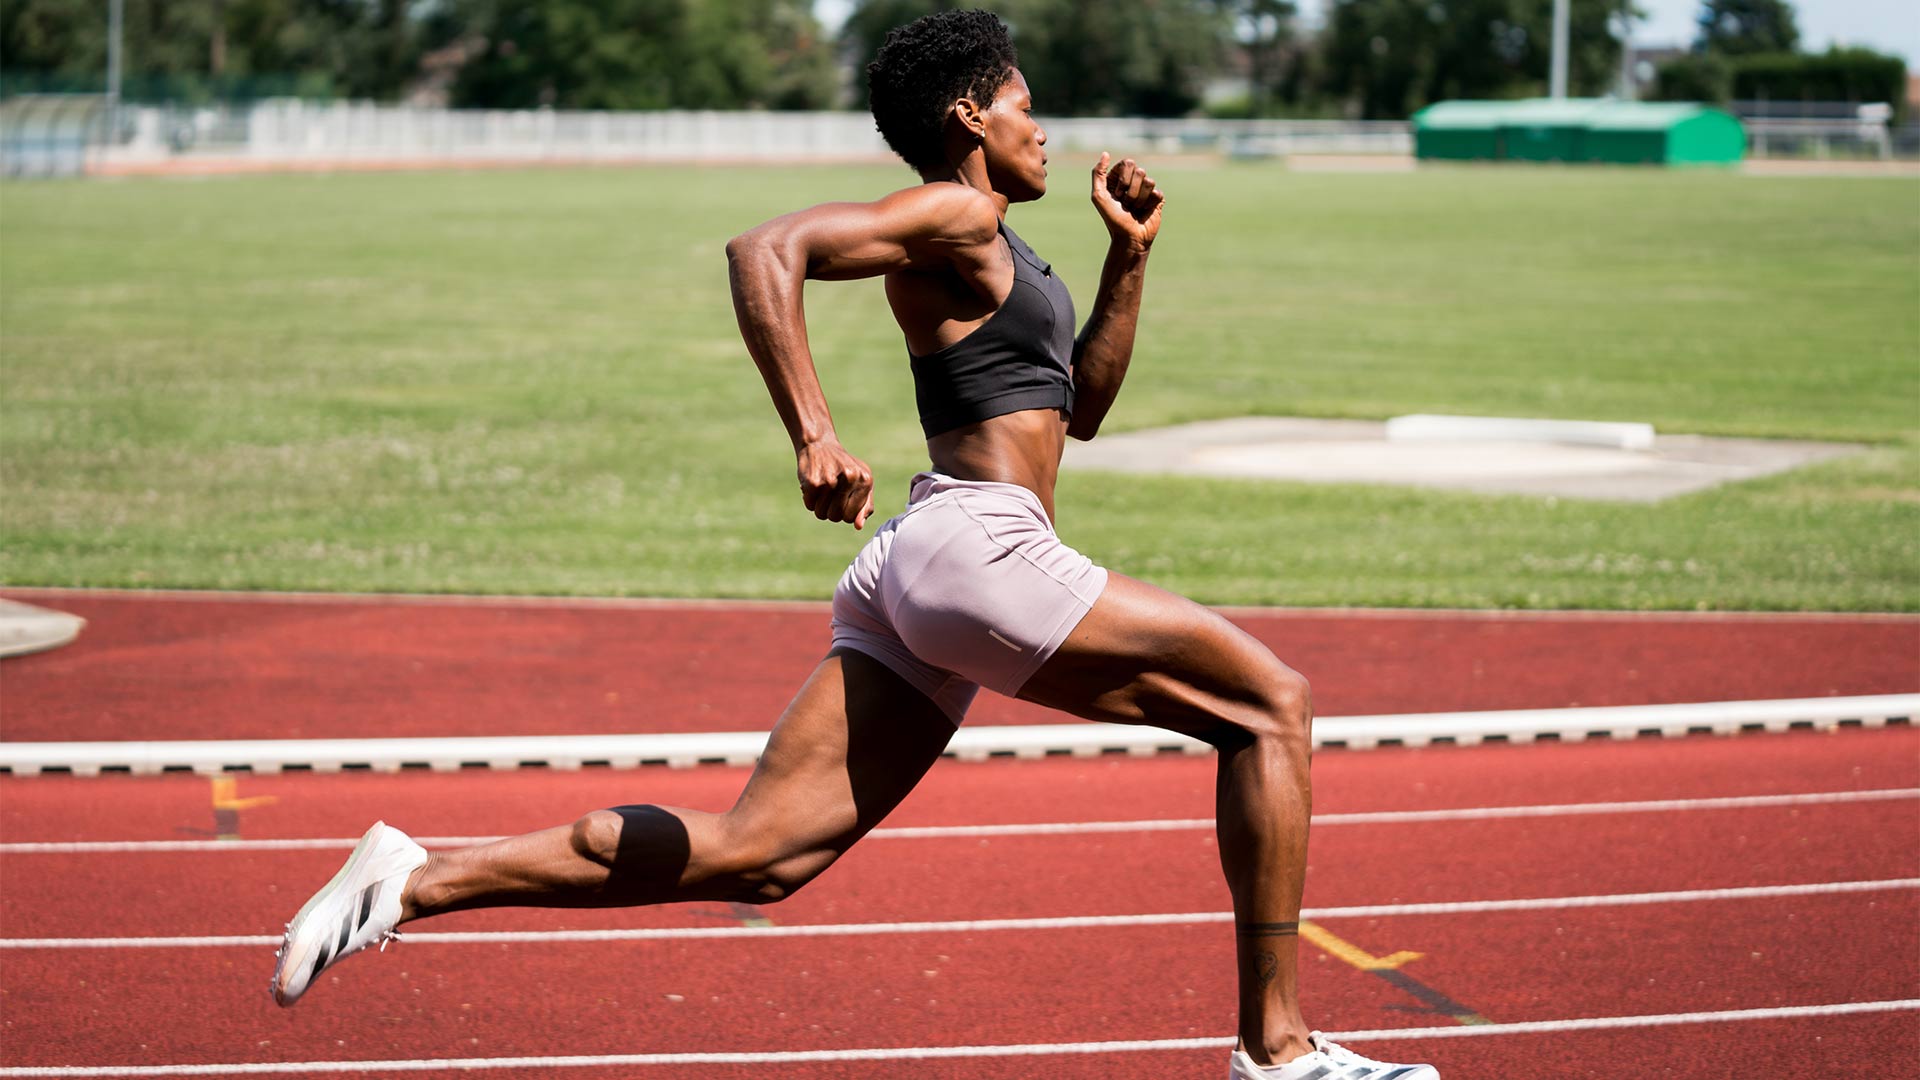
point(968, 587)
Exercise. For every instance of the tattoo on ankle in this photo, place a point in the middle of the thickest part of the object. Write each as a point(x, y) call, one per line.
point(1268, 929)
point(1269, 967)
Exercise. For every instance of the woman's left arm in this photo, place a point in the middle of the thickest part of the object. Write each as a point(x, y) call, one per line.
point(1129, 203)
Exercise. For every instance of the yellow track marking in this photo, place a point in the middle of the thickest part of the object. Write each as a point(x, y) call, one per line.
point(227, 805)
point(1353, 954)
point(224, 788)
point(1388, 968)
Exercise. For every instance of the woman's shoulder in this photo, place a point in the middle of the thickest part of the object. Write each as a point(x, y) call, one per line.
point(955, 213)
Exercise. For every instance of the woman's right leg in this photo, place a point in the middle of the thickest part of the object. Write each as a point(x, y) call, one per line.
point(1146, 656)
point(854, 741)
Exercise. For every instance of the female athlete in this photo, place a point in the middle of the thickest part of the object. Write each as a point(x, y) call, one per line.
point(969, 586)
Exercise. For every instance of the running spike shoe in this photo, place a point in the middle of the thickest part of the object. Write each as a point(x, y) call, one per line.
point(1328, 1061)
point(360, 906)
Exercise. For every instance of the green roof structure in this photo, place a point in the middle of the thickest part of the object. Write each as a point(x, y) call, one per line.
point(1578, 130)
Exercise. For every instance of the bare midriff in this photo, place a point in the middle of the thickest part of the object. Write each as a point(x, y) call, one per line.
point(1021, 448)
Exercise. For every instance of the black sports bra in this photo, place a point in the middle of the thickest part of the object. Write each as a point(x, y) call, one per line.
point(1020, 358)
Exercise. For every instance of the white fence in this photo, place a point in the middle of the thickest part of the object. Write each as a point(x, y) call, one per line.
point(296, 134)
point(1831, 139)
point(293, 132)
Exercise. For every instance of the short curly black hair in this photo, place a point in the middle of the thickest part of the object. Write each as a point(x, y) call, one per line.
point(924, 67)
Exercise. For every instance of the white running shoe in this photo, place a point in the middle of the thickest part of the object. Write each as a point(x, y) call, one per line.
point(358, 907)
point(1329, 1061)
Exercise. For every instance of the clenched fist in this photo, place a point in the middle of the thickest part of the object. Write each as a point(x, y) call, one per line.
point(1128, 201)
point(835, 485)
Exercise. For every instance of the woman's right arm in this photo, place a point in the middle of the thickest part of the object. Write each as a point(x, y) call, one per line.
point(919, 228)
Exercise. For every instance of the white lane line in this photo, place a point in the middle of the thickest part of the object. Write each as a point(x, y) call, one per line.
point(1603, 1023)
point(970, 926)
point(1737, 802)
point(924, 1053)
point(1063, 828)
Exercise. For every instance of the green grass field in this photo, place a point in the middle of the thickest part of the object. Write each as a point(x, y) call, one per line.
point(531, 382)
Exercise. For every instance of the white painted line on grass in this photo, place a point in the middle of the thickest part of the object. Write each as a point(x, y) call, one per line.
point(926, 1053)
point(974, 926)
point(1055, 828)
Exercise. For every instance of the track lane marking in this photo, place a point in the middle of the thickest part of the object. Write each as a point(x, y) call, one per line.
point(1387, 968)
point(1341, 949)
point(1069, 922)
point(921, 1053)
point(1062, 828)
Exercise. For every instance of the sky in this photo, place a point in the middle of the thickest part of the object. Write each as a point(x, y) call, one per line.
point(1890, 26)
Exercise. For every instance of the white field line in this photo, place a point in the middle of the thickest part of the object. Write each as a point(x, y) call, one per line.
point(926, 1053)
point(972, 926)
point(1060, 828)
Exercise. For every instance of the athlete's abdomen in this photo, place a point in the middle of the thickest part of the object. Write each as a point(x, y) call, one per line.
point(1015, 448)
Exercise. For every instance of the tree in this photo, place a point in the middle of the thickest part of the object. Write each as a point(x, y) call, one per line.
point(1391, 57)
point(1263, 28)
point(196, 49)
point(867, 25)
point(1695, 77)
point(1087, 58)
point(1081, 57)
point(1745, 27)
point(1852, 75)
point(642, 54)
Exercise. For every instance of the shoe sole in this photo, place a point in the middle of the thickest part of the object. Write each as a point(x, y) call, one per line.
point(287, 959)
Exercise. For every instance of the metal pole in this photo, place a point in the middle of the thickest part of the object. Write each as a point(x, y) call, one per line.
point(115, 29)
point(1627, 88)
point(1558, 83)
point(114, 20)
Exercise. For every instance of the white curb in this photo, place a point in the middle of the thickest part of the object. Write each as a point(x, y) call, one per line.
point(969, 744)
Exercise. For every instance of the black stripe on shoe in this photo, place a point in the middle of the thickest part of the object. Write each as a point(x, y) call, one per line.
point(366, 906)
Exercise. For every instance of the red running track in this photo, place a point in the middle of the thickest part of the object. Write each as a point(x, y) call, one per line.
point(259, 666)
point(434, 1000)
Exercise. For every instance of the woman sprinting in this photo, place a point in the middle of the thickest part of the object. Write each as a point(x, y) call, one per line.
point(968, 587)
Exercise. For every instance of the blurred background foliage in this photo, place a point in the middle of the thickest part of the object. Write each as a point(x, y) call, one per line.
point(1374, 59)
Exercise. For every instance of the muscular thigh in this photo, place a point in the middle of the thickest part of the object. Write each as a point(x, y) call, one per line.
point(1143, 655)
point(853, 743)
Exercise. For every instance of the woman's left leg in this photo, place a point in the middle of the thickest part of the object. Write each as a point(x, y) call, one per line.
point(856, 739)
point(853, 743)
